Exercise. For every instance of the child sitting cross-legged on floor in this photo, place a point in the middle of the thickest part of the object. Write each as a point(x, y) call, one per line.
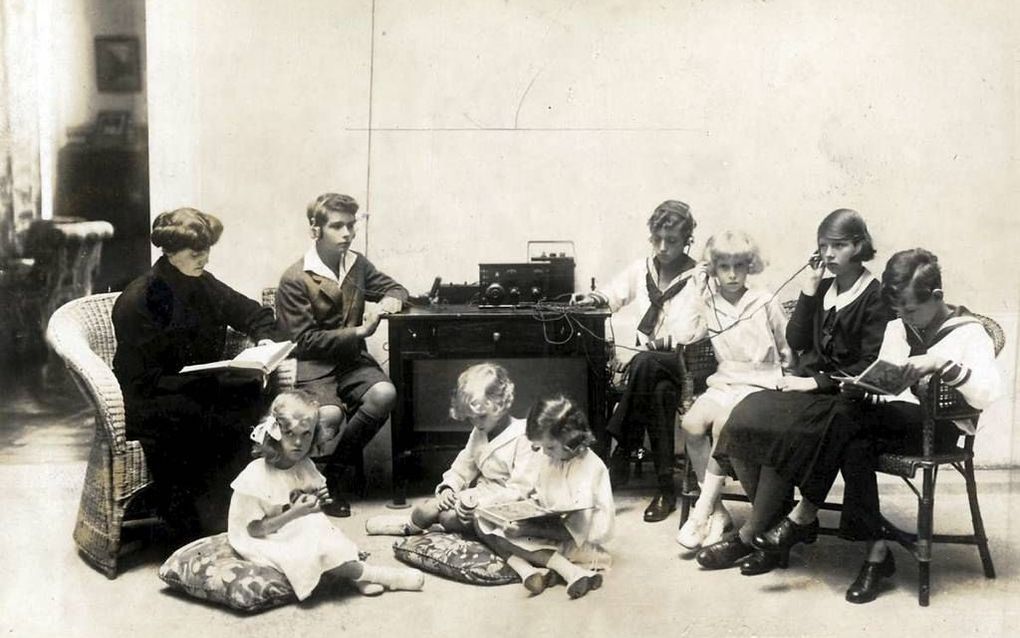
point(492, 467)
point(275, 512)
point(568, 478)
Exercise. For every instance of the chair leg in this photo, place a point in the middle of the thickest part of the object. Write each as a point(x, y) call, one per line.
point(97, 531)
point(975, 517)
point(687, 490)
point(925, 511)
point(924, 583)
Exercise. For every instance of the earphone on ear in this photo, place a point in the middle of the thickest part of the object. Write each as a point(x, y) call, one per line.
point(937, 293)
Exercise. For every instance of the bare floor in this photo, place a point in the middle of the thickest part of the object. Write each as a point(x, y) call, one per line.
point(653, 590)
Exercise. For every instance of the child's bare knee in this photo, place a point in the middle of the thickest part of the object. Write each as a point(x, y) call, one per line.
point(695, 426)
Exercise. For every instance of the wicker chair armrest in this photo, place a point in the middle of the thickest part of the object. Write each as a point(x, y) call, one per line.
point(95, 379)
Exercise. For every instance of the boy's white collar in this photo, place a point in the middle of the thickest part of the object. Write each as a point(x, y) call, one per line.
point(314, 264)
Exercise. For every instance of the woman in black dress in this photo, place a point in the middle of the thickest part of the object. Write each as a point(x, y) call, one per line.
point(794, 435)
point(193, 429)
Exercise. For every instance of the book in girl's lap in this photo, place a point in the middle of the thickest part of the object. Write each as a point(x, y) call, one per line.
point(569, 478)
point(275, 512)
point(492, 467)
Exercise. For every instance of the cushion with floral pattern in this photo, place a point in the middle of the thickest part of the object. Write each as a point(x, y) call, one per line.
point(455, 557)
point(210, 569)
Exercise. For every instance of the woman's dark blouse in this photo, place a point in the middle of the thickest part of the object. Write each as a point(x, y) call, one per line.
point(166, 320)
point(849, 344)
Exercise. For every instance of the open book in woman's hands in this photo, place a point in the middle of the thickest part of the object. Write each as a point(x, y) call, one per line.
point(256, 360)
point(516, 511)
point(881, 377)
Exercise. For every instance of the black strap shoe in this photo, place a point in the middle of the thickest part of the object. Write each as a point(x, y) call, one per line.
point(866, 586)
point(723, 554)
point(763, 562)
point(785, 535)
point(339, 507)
point(661, 507)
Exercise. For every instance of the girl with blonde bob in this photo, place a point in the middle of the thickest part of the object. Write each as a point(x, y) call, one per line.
point(747, 331)
point(493, 466)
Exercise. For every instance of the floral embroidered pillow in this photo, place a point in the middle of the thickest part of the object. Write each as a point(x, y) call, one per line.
point(208, 568)
point(455, 557)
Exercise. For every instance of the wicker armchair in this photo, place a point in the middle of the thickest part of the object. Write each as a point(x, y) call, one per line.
point(81, 333)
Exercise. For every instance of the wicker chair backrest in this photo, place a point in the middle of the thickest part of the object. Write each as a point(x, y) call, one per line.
point(90, 319)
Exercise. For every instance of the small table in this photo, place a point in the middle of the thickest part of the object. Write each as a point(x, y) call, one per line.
point(546, 350)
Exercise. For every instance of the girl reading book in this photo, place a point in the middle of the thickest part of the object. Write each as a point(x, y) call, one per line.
point(570, 479)
point(275, 513)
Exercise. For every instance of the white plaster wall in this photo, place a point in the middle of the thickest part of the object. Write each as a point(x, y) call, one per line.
point(75, 25)
point(497, 122)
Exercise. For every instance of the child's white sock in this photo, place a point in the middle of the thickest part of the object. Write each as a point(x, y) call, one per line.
point(579, 581)
point(391, 526)
point(392, 578)
point(711, 488)
point(366, 588)
point(532, 578)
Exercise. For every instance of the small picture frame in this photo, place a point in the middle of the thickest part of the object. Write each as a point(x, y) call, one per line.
point(118, 64)
point(112, 127)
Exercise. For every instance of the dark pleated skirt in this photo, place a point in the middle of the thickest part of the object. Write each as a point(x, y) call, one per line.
point(802, 435)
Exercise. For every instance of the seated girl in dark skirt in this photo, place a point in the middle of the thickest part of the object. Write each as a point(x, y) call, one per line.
point(930, 336)
point(775, 439)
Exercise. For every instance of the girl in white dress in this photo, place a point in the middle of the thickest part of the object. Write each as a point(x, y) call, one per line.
point(568, 477)
point(275, 512)
point(748, 332)
point(492, 467)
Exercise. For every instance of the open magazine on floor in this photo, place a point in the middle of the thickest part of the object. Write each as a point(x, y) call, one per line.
point(506, 513)
point(257, 359)
point(881, 377)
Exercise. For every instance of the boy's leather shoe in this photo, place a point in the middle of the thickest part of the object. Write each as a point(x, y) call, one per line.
point(661, 507)
point(866, 586)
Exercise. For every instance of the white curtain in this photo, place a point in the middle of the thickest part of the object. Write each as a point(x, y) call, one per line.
point(20, 83)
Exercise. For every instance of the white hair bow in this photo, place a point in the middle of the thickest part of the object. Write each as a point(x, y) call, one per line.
point(268, 425)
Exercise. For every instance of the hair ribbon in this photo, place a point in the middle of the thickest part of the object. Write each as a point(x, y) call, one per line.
point(268, 425)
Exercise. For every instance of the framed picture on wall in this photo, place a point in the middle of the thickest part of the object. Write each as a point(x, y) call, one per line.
point(111, 128)
point(118, 64)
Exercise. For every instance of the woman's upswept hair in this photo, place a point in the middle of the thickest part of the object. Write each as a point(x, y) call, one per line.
point(175, 230)
point(916, 269)
point(847, 224)
point(736, 245)
point(672, 214)
point(270, 448)
point(560, 419)
point(484, 388)
point(319, 210)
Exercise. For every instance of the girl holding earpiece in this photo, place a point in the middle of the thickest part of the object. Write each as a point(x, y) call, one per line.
point(794, 435)
point(747, 330)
